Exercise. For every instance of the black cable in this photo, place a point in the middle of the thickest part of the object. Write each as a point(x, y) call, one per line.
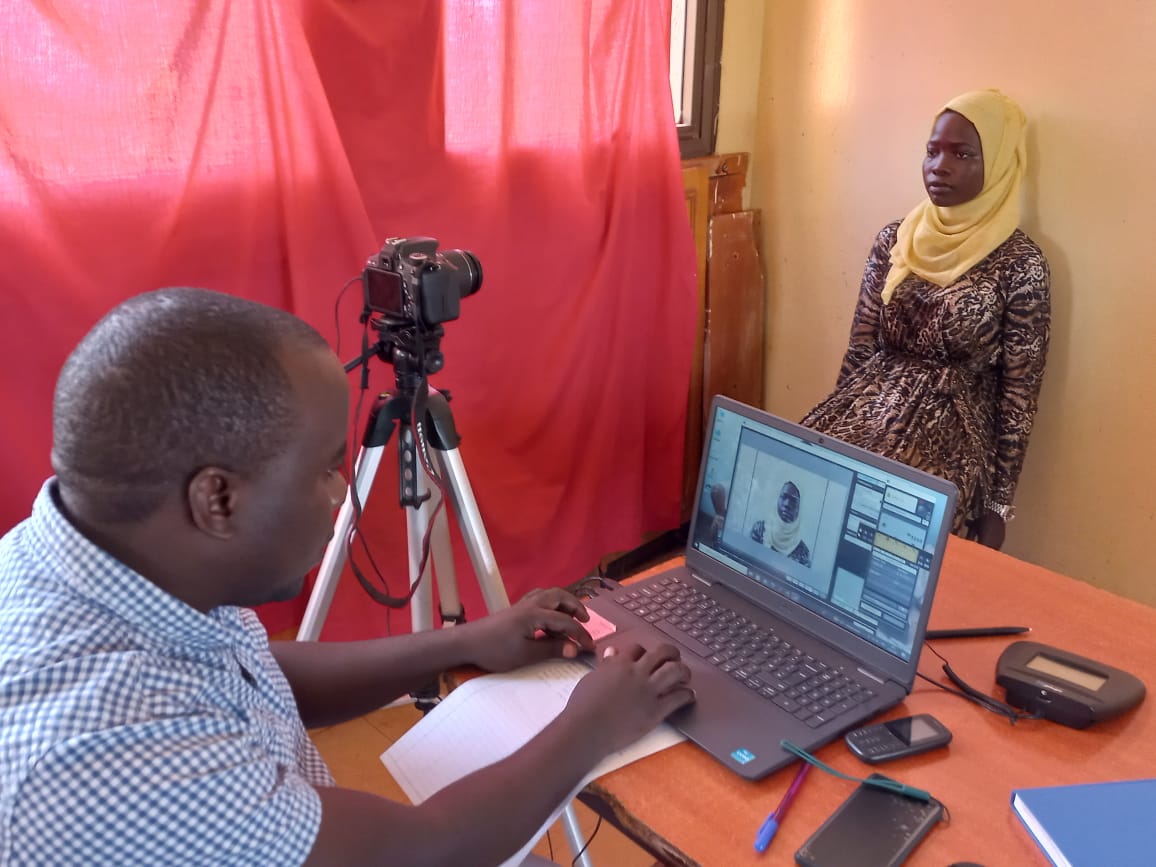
point(337, 313)
point(964, 695)
point(973, 695)
point(589, 840)
point(385, 598)
point(355, 525)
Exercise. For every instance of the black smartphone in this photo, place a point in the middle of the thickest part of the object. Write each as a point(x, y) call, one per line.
point(896, 738)
point(872, 828)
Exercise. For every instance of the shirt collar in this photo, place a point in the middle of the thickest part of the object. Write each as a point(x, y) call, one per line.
point(94, 573)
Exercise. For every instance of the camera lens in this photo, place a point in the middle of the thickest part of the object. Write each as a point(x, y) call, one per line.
point(467, 270)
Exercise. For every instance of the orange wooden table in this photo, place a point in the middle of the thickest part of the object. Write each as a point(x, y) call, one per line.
point(689, 810)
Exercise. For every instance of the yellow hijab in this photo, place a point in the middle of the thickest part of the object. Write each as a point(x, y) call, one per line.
point(941, 244)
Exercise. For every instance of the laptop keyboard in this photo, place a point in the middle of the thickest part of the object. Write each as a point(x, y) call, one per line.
point(754, 655)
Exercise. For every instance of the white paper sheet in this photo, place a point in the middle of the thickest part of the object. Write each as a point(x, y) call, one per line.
point(488, 718)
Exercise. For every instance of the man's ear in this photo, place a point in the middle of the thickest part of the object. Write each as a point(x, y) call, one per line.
point(213, 497)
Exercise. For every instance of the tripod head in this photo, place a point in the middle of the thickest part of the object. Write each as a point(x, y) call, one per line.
point(414, 353)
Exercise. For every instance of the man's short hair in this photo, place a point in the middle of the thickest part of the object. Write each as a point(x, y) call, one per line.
point(167, 383)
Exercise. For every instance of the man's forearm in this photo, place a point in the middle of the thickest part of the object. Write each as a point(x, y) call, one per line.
point(484, 817)
point(335, 681)
point(519, 793)
point(481, 819)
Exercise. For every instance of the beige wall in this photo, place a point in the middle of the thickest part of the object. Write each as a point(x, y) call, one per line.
point(742, 59)
point(845, 96)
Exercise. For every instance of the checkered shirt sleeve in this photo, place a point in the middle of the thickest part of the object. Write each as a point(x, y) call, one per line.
point(135, 729)
point(192, 791)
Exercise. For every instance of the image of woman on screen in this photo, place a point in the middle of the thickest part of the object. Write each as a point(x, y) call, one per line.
point(784, 528)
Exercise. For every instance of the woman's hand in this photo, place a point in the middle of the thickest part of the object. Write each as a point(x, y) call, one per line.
point(988, 529)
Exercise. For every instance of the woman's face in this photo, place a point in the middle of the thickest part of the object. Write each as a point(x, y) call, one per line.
point(953, 167)
point(789, 502)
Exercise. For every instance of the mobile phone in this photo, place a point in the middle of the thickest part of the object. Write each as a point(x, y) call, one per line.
point(896, 738)
point(872, 828)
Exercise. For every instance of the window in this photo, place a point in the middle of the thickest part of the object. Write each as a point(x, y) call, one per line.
point(695, 55)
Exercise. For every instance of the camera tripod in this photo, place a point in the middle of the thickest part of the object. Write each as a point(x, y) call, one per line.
point(428, 432)
point(437, 439)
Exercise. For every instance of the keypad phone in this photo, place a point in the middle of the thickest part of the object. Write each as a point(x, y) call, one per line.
point(897, 738)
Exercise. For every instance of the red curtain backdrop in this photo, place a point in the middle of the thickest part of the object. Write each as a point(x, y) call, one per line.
point(267, 148)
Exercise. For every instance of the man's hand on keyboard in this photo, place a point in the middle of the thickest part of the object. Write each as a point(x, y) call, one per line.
point(630, 691)
point(543, 624)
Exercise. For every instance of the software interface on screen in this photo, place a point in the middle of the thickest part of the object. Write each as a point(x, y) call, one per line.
point(849, 541)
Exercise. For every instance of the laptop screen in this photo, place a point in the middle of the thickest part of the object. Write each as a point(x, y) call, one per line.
point(848, 535)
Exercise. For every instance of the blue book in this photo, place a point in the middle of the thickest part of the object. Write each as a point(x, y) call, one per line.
point(1092, 824)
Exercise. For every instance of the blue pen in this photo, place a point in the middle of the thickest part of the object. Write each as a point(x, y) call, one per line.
point(771, 825)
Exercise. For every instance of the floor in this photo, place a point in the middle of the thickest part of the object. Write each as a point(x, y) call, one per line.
point(352, 751)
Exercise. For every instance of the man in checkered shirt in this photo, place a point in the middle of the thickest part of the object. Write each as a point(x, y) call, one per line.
point(198, 446)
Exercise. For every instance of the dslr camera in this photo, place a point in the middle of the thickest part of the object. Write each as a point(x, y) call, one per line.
point(410, 283)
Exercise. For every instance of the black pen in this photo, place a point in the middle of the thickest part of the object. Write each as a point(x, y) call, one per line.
point(976, 632)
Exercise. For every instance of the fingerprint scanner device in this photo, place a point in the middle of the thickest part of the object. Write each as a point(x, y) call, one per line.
point(1063, 687)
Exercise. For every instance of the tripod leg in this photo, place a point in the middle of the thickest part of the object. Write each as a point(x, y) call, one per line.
point(461, 495)
point(473, 531)
point(493, 590)
point(574, 836)
point(440, 557)
point(445, 571)
point(417, 523)
point(324, 587)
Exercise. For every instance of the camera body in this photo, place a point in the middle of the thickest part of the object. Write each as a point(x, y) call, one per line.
point(410, 282)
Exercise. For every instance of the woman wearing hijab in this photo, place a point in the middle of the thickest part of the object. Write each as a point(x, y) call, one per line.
point(783, 529)
point(950, 333)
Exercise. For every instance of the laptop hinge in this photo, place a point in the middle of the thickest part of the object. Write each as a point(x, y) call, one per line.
point(870, 674)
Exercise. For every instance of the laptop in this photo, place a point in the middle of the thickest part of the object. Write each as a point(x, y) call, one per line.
point(803, 602)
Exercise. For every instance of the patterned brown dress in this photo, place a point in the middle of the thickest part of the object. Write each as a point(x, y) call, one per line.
point(947, 379)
